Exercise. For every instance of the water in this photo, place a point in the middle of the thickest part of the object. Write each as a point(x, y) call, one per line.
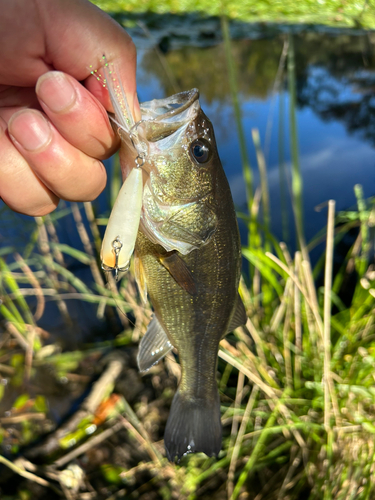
point(335, 114)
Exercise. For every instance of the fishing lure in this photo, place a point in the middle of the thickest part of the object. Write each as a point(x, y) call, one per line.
point(122, 228)
point(121, 232)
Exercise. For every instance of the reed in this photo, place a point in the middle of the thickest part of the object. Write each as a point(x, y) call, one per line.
point(246, 166)
point(297, 186)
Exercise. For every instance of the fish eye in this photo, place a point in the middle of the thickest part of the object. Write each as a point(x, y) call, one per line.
point(200, 150)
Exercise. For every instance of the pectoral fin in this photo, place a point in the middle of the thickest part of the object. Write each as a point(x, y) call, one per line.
point(239, 317)
point(179, 271)
point(153, 346)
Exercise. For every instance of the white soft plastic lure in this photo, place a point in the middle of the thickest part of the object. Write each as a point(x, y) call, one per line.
point(122, 228)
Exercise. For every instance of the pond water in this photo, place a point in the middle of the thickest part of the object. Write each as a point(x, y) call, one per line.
point(335, 77)
point(335, 80)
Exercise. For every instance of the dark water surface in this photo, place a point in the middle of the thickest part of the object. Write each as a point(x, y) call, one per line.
point(335, 77)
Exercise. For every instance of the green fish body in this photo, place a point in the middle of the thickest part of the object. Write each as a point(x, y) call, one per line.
point(188, 260)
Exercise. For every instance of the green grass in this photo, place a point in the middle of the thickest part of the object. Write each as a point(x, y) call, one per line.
point(296, 383)
point(329, 12)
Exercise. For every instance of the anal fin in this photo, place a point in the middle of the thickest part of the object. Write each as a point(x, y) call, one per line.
point(153, 346)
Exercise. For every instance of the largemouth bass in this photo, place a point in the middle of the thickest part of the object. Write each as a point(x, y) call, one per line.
point(188, 260)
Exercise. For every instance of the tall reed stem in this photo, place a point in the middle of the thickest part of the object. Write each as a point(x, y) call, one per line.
point(296, 170)
point(246, 167)
point(282, 171)
point(327, 314)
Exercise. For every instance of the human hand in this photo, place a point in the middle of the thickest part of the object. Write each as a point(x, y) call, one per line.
point(54, 129)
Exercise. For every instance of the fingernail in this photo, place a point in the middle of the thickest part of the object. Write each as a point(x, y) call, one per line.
point(56, 91)
point(30, 129)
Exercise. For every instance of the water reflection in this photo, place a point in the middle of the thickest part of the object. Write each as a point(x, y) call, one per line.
point(256, 60)
point(335, 73)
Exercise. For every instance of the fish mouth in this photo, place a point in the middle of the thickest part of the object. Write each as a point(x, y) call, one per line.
point(164, 109)
point(162, 117)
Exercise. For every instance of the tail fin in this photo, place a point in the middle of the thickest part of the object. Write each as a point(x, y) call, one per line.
point(193, 425)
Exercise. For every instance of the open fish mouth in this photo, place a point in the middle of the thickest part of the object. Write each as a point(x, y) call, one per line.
point(163, 117)
point(170, 107)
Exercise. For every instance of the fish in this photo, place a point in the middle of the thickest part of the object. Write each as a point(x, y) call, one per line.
point(187, 260)
point(175, 210)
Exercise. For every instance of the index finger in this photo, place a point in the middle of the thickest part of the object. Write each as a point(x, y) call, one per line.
point(77, 35)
